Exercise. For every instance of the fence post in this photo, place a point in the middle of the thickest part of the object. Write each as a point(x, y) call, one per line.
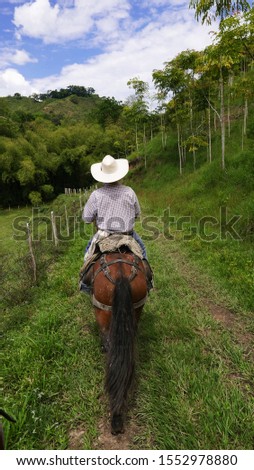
point(67, 221)
point(80, 202)
point(54, 230)
point(31, 250)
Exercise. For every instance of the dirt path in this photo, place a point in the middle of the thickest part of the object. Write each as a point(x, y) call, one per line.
point(125, 441)
point(207, 296)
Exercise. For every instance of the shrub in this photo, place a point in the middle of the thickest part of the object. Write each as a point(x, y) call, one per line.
point(35, 198)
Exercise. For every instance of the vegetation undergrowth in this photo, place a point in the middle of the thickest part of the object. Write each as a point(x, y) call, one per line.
point(54, 368)
point(52, 363)
point(195, 377)
point(209, 213)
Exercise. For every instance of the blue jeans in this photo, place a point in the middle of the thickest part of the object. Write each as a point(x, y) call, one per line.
point(136, 237)
point(141, 244)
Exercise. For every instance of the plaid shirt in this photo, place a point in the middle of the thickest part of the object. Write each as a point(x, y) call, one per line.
point(114, 208)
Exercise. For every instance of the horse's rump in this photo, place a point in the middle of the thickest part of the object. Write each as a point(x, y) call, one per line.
point(108, 269)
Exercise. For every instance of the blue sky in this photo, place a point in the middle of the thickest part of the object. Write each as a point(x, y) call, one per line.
point(50, 44)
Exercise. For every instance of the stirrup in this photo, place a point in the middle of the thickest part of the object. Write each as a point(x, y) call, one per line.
point(85, 288)
point(149, 274)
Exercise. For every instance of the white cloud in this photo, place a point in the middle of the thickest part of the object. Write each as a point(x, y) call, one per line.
point(147, 50)
point(11, 81)
point(129, 51)
point(162, 3)
point(17, 57)
point(66, 21)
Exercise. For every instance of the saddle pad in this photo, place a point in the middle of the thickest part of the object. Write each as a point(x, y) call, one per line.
point(114, 241)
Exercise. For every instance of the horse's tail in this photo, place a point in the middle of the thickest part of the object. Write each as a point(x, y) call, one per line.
point(120, 367)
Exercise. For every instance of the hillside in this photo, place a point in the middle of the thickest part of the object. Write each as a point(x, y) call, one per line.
point(198, 321)
point(208, 212)
point(48, 145)
point(72, 107)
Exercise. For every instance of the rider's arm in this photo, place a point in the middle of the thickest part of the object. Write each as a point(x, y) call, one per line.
point(90, 210)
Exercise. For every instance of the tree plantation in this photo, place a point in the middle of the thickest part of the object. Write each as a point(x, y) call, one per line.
point(48, 141)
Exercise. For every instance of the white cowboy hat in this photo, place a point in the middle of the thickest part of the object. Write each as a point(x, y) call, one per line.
point(110, 170)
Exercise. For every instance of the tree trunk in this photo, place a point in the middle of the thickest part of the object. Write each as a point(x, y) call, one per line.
point(151, 131)
point(245, 116)
point(179, 148)
point(209, 135)
point(229, 127)
point(192, 134)
point(136, 132)
point(163, 139)
point(144, 142)
point(222, 121)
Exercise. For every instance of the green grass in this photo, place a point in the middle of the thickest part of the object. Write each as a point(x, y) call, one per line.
point(7, 240)
point(196, 381)
point(194, 377)
point(207, 193)
point(53, 366)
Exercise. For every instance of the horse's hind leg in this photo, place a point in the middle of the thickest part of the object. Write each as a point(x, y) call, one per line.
point(104, 341)
point(103, 319)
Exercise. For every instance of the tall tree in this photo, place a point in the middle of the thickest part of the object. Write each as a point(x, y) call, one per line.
point(209, 10)
point(178, 78)
point(237, 35)
point(140, 107)
point(108, 111)
point(171, 80)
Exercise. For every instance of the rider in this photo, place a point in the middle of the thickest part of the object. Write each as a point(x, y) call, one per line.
point(114, 207)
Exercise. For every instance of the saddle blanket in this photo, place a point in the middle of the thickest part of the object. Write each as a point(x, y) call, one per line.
point(109, 242)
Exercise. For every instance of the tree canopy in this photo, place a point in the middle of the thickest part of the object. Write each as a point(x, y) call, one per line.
point(208, 10)
point(48, 142)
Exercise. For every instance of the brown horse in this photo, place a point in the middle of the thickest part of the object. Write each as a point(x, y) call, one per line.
point(119, 294)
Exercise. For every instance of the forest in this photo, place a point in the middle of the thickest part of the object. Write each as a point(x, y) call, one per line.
point(48, 141)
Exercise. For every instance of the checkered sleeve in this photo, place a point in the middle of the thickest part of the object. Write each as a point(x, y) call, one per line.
point(136, 205)
point(90, 209)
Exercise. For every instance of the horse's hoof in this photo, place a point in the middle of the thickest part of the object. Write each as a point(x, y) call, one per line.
point(117, 425)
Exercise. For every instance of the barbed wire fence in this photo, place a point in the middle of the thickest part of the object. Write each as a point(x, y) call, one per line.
point(45, 235)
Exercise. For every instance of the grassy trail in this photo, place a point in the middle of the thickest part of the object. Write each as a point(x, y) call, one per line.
point(201, 360)
point(194, 379)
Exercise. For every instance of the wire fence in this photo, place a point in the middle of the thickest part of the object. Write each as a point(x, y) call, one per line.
point(44, 236)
